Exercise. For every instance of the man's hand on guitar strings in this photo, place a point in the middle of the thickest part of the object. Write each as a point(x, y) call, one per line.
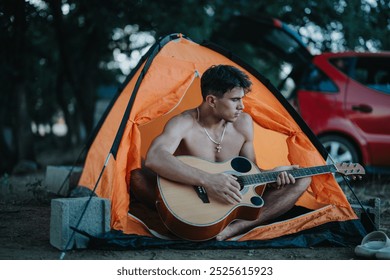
point(284, 178)
point(223, 187)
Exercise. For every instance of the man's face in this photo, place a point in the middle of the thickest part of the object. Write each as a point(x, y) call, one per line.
point(230, 106)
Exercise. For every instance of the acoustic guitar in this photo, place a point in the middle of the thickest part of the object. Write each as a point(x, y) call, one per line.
point(189, 213)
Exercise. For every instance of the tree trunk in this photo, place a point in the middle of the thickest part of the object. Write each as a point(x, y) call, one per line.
point(76, 85)
point(22, 127)
point(25, 138)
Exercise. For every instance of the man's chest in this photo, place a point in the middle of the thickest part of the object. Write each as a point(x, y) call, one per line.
point(200, 145)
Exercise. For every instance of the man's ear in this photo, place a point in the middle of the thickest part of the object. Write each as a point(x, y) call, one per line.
point(210, 100)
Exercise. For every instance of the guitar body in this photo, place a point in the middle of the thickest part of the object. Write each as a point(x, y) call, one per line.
point(189, 213)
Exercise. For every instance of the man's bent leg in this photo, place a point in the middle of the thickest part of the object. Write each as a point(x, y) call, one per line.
point(277, 202)
point(143, 184)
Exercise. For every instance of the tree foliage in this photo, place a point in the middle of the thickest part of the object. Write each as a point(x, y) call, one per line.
point(56, 53)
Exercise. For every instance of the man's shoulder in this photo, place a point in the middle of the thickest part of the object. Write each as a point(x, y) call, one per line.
point(185, 118)
point(244, 124)
point(244, 119)
point(187, 115)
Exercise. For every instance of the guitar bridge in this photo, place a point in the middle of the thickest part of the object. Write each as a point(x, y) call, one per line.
point(202, 194)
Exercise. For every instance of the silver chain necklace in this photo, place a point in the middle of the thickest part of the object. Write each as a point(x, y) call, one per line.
point(219, 146)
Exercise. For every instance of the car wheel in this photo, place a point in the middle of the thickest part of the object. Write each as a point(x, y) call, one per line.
point(339, 148)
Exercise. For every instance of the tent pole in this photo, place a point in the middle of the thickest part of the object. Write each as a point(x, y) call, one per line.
point(62, 256)
point(347, 181)
point(71, 170)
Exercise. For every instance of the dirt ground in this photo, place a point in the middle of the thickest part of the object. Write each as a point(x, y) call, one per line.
point(25, 229)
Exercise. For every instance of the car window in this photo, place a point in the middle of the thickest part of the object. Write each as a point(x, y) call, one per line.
point(287, 88)
point(289, 85)
point(342, 63)
point(373, 72)
point(316, 80)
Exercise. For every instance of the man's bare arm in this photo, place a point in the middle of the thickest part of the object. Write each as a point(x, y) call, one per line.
point(247, 150)
point(161, 160)
point(160, 156)
point(245, 126)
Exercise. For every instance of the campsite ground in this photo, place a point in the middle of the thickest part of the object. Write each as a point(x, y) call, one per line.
point(25, 224)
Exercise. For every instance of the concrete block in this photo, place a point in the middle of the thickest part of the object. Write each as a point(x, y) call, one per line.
point(59, 180)
point(66, 212)
point(370, 213)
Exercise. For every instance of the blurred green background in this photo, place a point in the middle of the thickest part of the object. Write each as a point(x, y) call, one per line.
point(59, 57)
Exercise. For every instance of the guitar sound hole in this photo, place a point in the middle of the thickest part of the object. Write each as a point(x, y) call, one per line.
point(257, 201)
point(241, 165)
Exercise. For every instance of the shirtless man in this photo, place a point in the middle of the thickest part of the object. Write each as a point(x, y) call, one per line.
point(219, 130)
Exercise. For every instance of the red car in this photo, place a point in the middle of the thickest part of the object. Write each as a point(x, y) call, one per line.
point(345, 100)
point(343, 97)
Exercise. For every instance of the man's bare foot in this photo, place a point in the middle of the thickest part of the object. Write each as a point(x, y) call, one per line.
point(234, 229)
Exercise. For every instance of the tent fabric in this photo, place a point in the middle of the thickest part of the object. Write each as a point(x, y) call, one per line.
point(346, 234)
point(167, 82)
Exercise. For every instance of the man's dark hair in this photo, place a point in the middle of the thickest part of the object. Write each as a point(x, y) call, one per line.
point(219, 79)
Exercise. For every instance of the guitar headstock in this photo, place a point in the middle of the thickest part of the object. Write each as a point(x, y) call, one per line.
point(350, 169)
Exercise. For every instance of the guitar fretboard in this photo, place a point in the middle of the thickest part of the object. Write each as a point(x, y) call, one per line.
point(271, 176)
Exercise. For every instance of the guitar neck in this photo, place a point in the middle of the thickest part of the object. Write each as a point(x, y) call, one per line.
point(271, 176)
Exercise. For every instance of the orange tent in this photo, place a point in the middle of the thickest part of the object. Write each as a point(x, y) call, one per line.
point(166, 82)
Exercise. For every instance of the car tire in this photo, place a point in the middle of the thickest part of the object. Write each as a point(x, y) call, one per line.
point(340, 150)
